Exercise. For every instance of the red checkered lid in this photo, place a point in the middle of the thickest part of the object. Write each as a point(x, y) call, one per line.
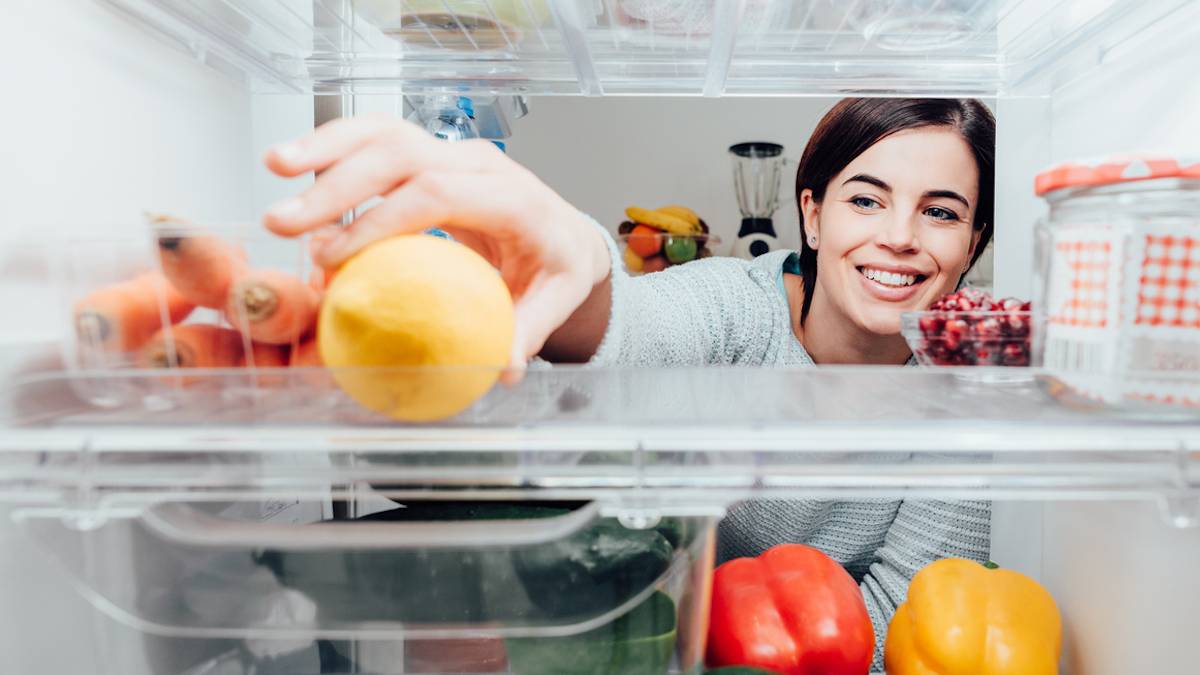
point(1112, 170)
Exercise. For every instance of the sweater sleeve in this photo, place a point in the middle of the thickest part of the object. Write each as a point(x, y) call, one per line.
point(923, 531)
point(708, 312)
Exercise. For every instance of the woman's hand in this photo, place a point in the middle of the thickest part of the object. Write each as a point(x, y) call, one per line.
point(549, 254)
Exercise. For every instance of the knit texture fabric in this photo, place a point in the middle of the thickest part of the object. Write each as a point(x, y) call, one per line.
point(725, 311)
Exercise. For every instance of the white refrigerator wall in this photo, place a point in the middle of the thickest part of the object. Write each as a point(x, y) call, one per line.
point(1124, 579)
point(101, 121)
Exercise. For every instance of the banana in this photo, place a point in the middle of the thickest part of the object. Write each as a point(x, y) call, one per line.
point(663, 221)
point(682, 212)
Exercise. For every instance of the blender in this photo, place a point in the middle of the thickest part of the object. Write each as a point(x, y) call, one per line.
point(757, 170)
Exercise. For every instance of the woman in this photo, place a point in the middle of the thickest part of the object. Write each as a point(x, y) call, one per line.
point(896, 203)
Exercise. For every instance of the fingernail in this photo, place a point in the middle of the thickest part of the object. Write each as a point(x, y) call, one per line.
point(287, 208)
point(288, 152)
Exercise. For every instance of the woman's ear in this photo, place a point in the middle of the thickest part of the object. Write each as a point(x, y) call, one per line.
point(811, 211)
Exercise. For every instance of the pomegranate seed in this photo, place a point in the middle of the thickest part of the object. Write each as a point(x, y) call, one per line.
point(1017, 325)
point(1015, 355)
point(931, 325)
point(1011, 304)
point(987, 329)
point(954, 332)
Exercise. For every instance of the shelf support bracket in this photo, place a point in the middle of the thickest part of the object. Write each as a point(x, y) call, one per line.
point(727, 16)
point(570, 25)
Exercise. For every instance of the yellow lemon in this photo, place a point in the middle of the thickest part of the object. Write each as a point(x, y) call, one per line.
point(416, 327)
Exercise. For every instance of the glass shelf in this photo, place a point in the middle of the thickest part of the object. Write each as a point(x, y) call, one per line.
point(674, 440)
point(662, 47)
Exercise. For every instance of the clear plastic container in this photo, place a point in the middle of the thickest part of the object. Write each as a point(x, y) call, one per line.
point(242, 587)
point(1118, 264)
point(122, 315)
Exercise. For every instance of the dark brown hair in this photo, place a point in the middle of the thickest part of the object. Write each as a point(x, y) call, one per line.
point(855, 124)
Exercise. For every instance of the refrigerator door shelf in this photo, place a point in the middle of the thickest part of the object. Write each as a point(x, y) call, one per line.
point(710, 47)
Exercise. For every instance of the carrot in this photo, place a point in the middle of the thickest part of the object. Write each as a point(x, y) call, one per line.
point(123, 316)
point(272, 306)
point(305, 354)
point(200, 267)
point(265, 356)
point(196, 345)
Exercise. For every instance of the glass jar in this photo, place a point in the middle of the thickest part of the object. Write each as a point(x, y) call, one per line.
point(1118, 280)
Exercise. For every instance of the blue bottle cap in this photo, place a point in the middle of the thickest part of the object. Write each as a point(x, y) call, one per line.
point(500, 144)
point(465, 105)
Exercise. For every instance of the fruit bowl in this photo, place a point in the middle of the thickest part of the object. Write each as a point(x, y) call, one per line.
point(970, 328)
point(968, 338)
point(648, 251)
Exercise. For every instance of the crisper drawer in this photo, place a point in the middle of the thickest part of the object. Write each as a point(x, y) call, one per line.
point(523, 587)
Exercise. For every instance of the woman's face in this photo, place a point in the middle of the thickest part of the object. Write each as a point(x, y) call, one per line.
point(894, 229)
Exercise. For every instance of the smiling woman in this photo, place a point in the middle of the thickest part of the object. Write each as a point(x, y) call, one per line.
point(896, 199)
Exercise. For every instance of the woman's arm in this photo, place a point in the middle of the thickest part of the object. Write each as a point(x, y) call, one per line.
point(923, 531)
point(704, 313)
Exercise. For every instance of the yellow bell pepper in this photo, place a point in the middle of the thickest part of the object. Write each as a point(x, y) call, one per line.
point(963, 618)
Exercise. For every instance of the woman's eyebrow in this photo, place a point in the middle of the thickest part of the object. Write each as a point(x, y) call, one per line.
point(948, 194)
point(869, 179)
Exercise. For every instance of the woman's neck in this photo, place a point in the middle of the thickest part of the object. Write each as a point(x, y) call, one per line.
point(829, 338)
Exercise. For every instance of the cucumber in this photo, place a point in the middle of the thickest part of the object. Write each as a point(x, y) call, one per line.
point(641, 642)
point(592, 571)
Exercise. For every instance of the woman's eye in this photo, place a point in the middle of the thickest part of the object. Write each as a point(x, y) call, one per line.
point(864, 202)
point(938, 213)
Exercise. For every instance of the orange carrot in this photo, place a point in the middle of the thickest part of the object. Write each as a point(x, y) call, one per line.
point(265, 356)
point(123, 316)
point(194, 345)
point(272, 306)
point(305, 354)
point(200, 267)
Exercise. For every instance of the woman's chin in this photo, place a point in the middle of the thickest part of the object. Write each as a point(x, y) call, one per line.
point(882, 321)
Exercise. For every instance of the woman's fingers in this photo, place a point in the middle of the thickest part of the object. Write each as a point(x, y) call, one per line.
point(370, 170)
point(468, 201)
point(373, 170)
point(334, 140)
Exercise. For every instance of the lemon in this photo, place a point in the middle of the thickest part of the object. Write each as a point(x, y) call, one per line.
point(416, 327)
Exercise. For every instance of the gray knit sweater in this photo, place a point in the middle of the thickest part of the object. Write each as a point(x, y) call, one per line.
point(725, 311)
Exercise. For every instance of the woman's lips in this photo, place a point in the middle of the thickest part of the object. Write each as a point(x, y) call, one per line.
point(889, 293)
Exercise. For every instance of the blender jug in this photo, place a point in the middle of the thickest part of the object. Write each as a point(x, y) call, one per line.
point(757, 170)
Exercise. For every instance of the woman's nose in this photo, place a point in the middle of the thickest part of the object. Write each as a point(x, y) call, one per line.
point(900, 234)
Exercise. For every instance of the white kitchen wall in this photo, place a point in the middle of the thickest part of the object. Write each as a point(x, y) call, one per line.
point(1125, 580)
point(605, 154)
point(100, 122)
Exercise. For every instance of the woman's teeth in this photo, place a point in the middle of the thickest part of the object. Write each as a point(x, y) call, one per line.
point(888, 278)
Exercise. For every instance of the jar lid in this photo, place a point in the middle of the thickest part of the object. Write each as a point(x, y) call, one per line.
point(1113, 170)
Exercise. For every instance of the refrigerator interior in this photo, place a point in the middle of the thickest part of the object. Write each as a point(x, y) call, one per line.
point(168, 104)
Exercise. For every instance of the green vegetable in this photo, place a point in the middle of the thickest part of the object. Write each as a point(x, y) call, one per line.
point(680, 249)
point(591, 572)
point(638, 643)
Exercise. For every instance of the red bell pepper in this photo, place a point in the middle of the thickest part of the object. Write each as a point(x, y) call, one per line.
point(792, 610)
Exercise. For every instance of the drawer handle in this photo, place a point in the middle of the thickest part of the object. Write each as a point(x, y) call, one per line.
point(187, 525)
